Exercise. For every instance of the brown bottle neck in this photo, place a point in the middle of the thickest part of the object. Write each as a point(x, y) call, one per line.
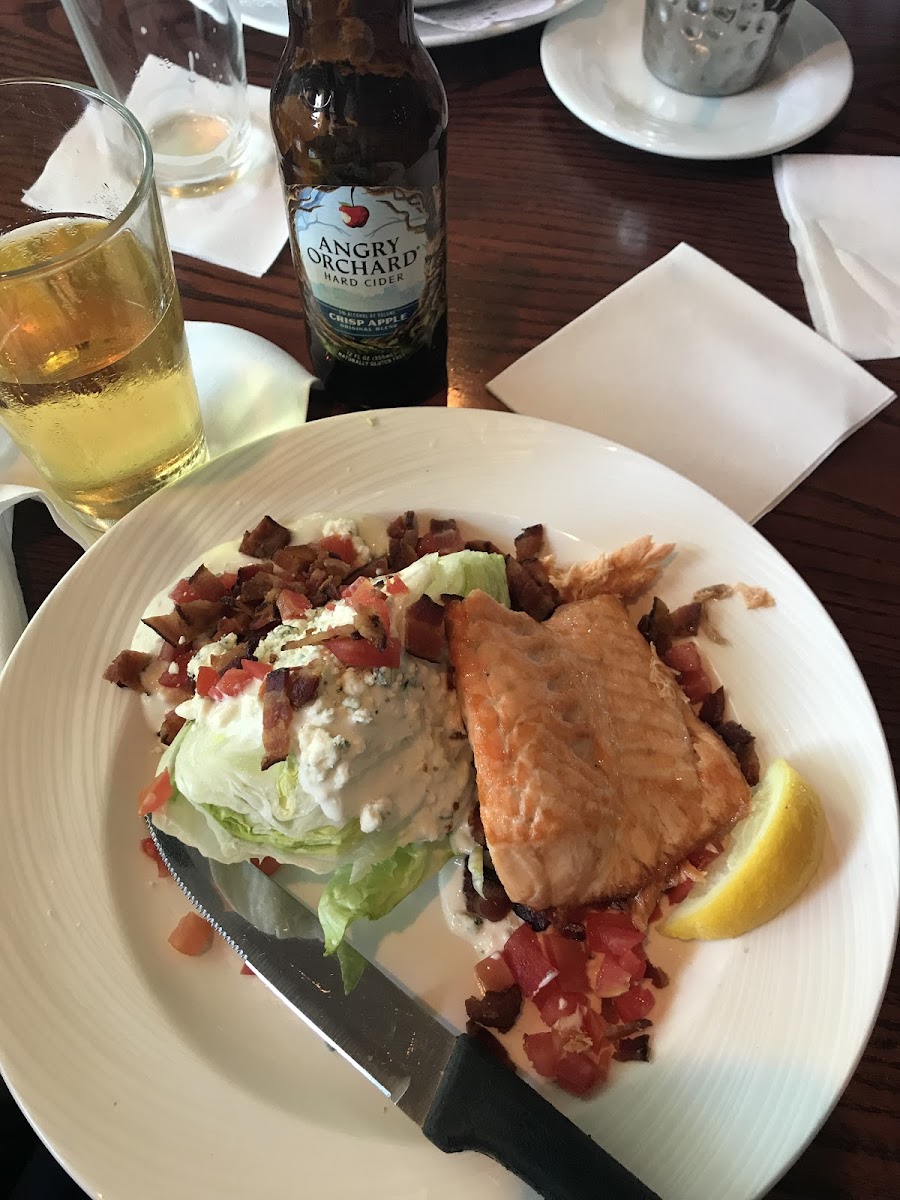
point(331, 29)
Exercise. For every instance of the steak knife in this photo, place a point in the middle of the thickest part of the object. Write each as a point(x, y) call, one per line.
point(461, 1096)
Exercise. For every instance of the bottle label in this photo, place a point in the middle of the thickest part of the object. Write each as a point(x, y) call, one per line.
point(371, 266)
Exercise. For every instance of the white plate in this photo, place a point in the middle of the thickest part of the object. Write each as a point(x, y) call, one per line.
point(592, 60)
point(152, 1075)
point(457, 22)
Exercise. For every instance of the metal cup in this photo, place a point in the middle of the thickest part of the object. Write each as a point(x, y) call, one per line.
point(712, 47)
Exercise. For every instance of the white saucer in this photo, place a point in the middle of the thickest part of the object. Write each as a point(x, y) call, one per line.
point(593, 63)
point(248, 388)
point(446, 22)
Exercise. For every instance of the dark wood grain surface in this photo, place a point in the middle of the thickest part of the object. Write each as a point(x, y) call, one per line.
point(519, 271)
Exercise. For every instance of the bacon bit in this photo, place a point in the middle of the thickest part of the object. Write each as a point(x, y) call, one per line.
point(277, 711)
point(320, 635)
point(263, 586)
point(192, 935)
point(200, 615)
point(530, 542)
point(493, 974)
point(283, 692)
point(171, 726)
point(616, 1032)
point(265, 539)
point(656, 627)
point(170, 627)
point(530, 590)
point(443, 537)
point(680, 891)
point(494, 905)
point(252, 569)
point(496, 1010)
point(686, 620)
point(149, 847)
point(755, 597)
point(483, 547)
point(656, 975)
point(635, 1049)
point(229, 658)
point(423, 633)
point(205, 586)
point(126, 669)
point(294, 560)
point(538, 920)
point(712, 710)
point(403, 535)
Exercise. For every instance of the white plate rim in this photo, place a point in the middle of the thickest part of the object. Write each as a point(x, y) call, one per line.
point(562, 83)
point(485, 427)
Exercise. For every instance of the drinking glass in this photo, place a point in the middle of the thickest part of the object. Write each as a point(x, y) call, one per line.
point(179, 66)
point(95, 378)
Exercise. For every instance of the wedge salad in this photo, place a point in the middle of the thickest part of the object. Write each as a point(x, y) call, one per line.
point(324, 699)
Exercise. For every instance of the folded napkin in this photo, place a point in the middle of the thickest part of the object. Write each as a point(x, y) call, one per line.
point(687, 364)
point(248, 389)
point(242, 227)
point(842, 212)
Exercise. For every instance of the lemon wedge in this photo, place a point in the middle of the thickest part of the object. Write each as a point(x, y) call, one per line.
point(774, 853)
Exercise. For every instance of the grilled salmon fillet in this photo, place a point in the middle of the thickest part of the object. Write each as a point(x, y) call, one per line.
point(595, 777)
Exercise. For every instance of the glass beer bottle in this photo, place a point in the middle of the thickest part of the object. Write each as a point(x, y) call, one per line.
point(360, 119)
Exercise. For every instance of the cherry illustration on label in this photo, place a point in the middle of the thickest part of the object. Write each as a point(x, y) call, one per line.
point(355, 215)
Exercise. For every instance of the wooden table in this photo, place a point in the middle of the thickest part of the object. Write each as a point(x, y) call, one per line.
point(520, 271)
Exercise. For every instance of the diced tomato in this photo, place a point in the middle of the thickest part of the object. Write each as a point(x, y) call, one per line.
point(357, 652)
point(246, 970)
point(634, 962)
point(207, 678)
point(611, 932)
point(339, 546)
point(683, 657)
point(232, 683)
point(183, 592)
point(175, 675)
point(259, 670)
point(570, 959)
point(679, 891)
point(595, 1027)
point(291, 604)
point(228, 579)
point(493, 973)
point(155, 795)
point(192, 935)
point(608, 976)
point(395, 586)
point(553, 1003)
point(695, 685)
point(543, 1052)
point(365, 597)
point(637, 1002)
point(579, 1073)
point(527, 961)
point(150, 849)
point(267, 865)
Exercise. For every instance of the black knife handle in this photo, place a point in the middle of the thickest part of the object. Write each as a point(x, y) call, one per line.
point(483, 1105)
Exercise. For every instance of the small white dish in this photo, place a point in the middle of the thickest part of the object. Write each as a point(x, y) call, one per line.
point(593, 63)
point(446, 23)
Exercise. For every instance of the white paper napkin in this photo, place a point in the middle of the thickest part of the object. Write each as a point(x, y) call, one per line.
point(843, 212)
point(248, 388)
point(687, 364)
point(242, 227)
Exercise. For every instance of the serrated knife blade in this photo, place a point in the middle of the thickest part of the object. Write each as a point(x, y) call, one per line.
point(461, 1096)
